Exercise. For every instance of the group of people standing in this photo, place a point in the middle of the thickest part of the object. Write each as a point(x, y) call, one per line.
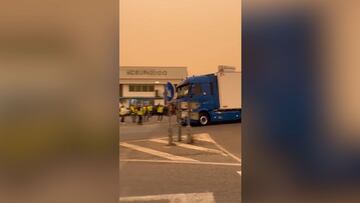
point(141, 113)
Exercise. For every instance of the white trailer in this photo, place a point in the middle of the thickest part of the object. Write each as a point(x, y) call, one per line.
point(229, 87)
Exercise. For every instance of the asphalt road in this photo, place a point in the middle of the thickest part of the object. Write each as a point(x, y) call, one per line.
point(207, 171)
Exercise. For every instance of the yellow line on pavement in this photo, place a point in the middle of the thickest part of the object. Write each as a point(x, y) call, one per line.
point(156, 153)
point(188, 146)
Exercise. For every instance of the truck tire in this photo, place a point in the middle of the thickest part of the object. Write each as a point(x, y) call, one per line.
point(204, 119)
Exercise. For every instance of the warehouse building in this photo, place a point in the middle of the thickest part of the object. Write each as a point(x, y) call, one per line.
point(146, 84)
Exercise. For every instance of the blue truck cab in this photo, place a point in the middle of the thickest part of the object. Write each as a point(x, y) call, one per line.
point(202, 95)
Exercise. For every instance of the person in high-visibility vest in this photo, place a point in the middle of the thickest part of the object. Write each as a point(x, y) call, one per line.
point(122, 113)
point(140, 114)
point(133, 113)
point(145, 111)
point(150, 111)
point(160, 112)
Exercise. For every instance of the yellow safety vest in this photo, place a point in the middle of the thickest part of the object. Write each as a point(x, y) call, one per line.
point(144, 109)
point(150, 108)
point(140, 112)
point(122, 111)
point(160, 109)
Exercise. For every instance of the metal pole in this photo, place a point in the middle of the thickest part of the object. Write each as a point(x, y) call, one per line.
point(179, 131)
point(178, 121)
point(170, 143)
point(189, 139)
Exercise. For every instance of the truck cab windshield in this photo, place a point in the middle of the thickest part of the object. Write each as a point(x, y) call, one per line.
point(182, 91)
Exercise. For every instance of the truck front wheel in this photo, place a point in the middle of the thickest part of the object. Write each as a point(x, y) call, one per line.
point(203, 119)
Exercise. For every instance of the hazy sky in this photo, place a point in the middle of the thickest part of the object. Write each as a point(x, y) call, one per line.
point(199, 34)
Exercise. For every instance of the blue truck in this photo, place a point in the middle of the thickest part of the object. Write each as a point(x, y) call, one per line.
point(211, 98)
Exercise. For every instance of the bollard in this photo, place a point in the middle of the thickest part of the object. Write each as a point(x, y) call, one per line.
point(178, 121)
point(179, 132)
point(189, 139)
point(170, 141)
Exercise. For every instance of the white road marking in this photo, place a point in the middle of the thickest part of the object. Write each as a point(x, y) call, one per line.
point(204, 137)
point(200, 137)
point(227, 152)
point(181, 162)
point(156, 153)
point(239, 172)
point(174, 198)
point(207, 138)
point(143, 140)
point(194, 147)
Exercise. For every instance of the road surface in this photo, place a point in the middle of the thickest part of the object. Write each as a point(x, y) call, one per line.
point(207, 171)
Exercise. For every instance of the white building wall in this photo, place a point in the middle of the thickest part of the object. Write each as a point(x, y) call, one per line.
point(160, 89)
point(157, 76)
point(127, 93)
point(159, 101)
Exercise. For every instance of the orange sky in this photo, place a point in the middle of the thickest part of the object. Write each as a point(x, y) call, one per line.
point(199, 34)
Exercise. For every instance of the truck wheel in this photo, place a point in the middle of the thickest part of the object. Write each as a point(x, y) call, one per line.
point(203, 119)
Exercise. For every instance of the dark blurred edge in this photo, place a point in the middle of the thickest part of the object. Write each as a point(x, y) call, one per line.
point(284, 156)
point(59, 101)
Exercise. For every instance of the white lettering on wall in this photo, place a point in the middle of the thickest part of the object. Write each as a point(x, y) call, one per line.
point(146, 72)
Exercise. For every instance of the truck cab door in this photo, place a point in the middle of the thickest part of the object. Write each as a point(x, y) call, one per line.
point(201, 93)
